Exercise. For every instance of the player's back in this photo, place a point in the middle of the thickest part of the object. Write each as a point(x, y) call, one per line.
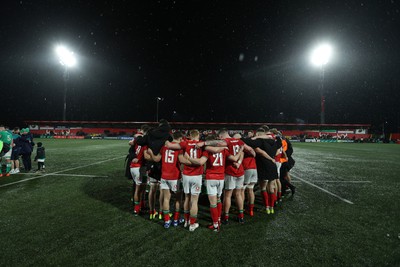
point(139, 152)
point(170, 163)
point(189, 147)
point(6, 137)
point(215, 166)
point(234, 147)
point(249, 162)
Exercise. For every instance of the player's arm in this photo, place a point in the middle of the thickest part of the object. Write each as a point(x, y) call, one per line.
point(250, 150)
point(266, 136)
point(214, 149)
point(184, 160)
point(173, 146)
point(239, 161)
point(147, 155)
point(264, 154)
point(212, 143)
point(234, 158)
point(200, 161)
point(155, 158)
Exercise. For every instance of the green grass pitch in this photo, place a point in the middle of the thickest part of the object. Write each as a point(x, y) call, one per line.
point(345, 212)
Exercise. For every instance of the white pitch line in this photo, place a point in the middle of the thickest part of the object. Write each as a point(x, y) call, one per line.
point(355, 182)
point(324, 190)
point(78, 175)
point(63, 174)
point(70, 169)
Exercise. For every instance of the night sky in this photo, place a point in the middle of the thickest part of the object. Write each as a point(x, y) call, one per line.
point(221, 61)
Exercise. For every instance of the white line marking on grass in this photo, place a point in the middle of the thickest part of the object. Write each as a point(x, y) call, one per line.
point(49, 174)
point(323, 190)
point(62, 174)
point(78, 175)
point(354, 182)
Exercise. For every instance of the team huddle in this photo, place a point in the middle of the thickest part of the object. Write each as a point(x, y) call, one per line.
point(231, 166)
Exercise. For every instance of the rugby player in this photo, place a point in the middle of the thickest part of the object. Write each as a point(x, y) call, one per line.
point(138, 171)
point(266, 169)
point(215, 175)
point(279, 158)
point(287, 164)
point(170, 174)
point(250, 179)
point(7, 139)
point(191, 178)
point(15, 151)
point(234, 172)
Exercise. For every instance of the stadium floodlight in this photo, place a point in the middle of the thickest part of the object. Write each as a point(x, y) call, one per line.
point(66, 57)
point(158, 99)
point(68, 60)
point(320, 56)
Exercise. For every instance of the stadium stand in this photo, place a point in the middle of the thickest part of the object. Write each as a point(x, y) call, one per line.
point(294, 131)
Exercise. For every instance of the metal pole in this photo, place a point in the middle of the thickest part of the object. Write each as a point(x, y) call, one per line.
point(66, 74)
point(321, 85)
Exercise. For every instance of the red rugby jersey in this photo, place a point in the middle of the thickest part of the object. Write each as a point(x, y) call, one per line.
point(234, 146)
point(215, 169)
point(139, 151)
point(249, 162)
point(170, 163)
point(189, 146)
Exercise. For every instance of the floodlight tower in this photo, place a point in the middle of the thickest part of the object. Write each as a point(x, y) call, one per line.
point(319, 58)
point(68, 60)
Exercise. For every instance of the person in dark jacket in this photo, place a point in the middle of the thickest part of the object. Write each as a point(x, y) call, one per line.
point(40, 157)
point(155, 139)
point(27, 145)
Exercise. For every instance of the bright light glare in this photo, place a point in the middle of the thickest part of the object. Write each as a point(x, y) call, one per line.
point(66, 57)
point(321, 55)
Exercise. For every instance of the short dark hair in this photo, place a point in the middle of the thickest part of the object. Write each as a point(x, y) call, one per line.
point(163, 122)
point(39, 144)
point(145, 128)
point(177, 135)
point(260, 130)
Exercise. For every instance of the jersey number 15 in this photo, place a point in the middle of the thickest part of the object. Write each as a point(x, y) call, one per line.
point(169, 156)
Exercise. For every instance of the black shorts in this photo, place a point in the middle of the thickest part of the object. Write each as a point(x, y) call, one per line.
point(284, 170)
point(154, 170)
point(267, 171)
